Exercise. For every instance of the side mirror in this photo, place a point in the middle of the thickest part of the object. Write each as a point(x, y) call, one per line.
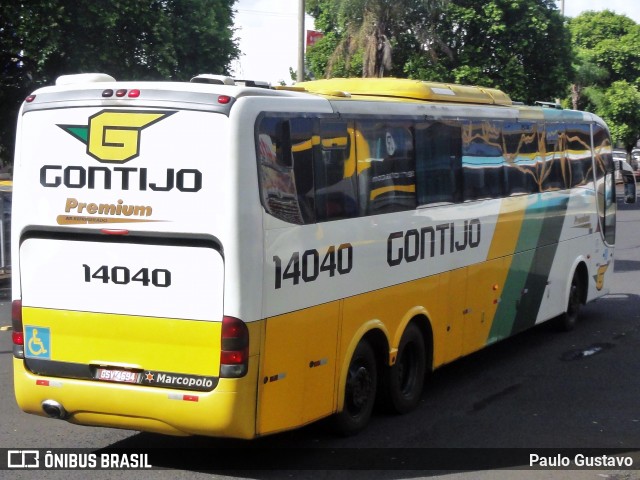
point(629, 188)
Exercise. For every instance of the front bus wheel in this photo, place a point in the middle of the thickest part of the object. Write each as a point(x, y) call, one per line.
point(360, 391)
point(568, 320)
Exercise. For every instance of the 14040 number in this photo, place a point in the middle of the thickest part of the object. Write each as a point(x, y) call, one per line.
point(158, 277)
point(308, 267)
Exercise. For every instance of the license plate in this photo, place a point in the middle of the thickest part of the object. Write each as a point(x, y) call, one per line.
point(114, 375)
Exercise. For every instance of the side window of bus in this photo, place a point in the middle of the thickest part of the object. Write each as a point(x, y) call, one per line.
point(482, 160)
point(602, 151)
point(554, 170)
point(285, 167)
point(438, 162)
point(335, 173)
point(579, 153)
point(522, 156)
point(386, 167)
point(302, 158)
point(277, 187)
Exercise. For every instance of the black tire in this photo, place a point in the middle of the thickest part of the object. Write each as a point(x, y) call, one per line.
point(568, 320)
point(360, 392)
point(404, 381)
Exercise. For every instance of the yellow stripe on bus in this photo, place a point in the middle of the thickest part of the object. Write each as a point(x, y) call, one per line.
point(391, 188)
point(508, 226)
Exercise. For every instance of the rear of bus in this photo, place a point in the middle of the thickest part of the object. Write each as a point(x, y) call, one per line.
point(125, 224)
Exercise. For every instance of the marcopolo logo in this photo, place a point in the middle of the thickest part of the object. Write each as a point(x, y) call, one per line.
point(177, 380)
point(113, 136)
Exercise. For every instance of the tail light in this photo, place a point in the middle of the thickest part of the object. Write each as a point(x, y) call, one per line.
point(17, 332)
point(234, 353)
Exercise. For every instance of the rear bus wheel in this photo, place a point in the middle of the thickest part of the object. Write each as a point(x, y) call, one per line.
point(360, 391)
point(404, 381)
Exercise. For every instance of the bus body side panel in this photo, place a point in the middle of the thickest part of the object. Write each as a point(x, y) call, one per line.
point(298, 368)
point(530, 248)
point(478, 271)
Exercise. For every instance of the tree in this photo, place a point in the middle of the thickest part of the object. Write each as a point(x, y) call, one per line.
point(620, 56)
point(587, 73)
point(203, 37)
point(608, 41)
point(16, 78)
point(590, 28)
point(142, 40)
point(520, 47)
point(362, 36)
point(620, 108)
point(607, 53)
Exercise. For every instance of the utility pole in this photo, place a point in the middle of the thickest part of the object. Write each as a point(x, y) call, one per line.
point(301, 39)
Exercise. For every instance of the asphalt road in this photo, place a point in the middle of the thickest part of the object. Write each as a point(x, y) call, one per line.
point(540, 389)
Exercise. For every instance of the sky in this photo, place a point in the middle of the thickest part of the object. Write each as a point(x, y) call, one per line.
point(268, 33)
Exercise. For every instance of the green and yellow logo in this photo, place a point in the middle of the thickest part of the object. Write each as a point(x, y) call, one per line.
point(113, 136)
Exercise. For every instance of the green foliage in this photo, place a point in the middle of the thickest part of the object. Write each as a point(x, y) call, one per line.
point(607, 62)
point(619, 56)
point(619, 106)
point(590, 28)
point(322, 55)
point(145, 39)
point(370, 37)
point(202, 37)
point(520, 46)
point(130, 40)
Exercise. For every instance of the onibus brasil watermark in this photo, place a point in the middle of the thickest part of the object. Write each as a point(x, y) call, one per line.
point(55, 460)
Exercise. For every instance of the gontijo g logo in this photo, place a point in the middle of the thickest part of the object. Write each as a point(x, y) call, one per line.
point(113, 136)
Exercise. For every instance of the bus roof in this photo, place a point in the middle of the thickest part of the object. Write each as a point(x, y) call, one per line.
point(102, 89)
point(405, 89)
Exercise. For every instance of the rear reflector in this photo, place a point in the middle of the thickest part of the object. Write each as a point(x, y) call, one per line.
point(184, 398)
point(48, 383)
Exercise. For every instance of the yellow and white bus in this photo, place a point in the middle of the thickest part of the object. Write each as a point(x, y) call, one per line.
point(216, 258)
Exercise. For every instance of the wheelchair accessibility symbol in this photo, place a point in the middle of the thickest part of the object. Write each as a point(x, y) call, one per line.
point(38, 341)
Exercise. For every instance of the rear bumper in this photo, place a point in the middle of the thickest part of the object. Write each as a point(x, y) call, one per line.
point(228, 411)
